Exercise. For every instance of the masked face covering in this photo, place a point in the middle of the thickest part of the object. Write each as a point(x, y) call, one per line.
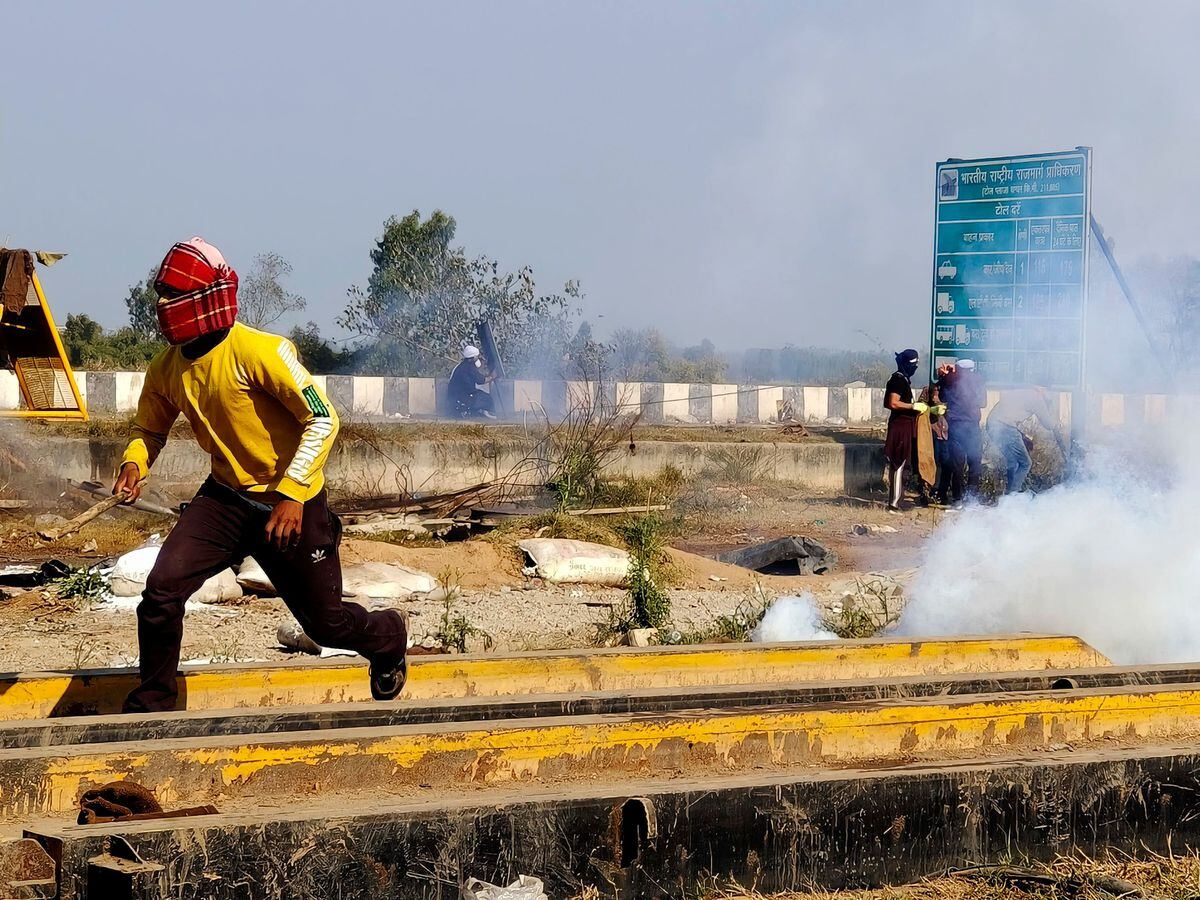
point(197, 292)
point(907, 362)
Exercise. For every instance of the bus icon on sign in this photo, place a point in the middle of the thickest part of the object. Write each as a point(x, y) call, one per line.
point(947, 269)
point(944, 334)
point(945, 305)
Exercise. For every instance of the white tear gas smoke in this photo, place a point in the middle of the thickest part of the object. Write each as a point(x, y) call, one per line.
point(1112, 556)
point(791, 619)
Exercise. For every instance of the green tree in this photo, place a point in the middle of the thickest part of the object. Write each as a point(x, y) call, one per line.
point(645, 355)
point(428, 295)
point(587, 358)
point(141, 304)
point(262, 298)
point(90, 346)
point(318, 354)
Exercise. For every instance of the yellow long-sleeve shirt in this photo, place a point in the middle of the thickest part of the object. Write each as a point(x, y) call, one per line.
point(253, 407)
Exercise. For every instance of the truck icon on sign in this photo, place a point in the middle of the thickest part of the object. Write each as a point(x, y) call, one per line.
point(947, 269)
point(945, 304)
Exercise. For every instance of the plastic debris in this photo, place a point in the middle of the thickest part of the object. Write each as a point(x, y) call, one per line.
point(562, 561)
point(526, 887)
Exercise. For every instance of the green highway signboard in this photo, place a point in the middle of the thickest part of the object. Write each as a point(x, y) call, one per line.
point(1010, 266)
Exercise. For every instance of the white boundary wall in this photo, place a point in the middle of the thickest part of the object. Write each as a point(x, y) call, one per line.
point(387, 398)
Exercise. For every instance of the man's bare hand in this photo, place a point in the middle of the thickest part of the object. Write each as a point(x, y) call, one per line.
point(283, 528)
point(129, 483)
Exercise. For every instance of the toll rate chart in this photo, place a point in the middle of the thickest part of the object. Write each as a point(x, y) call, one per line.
point(1010, 267)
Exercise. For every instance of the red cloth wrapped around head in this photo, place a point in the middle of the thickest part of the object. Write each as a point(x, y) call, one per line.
point(197, 292)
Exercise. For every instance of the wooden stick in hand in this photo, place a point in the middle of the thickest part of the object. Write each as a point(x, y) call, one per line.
point(92, 512)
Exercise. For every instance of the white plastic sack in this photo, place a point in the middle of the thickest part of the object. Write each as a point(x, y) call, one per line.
point(128, 578)
point(526, 887)
point(563, 561)
point(253, 579)
point(221, 588)
point(385, 581)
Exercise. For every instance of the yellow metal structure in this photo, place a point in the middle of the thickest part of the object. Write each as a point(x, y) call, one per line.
point(42, 695)
point(432, 759)
point(31, 347)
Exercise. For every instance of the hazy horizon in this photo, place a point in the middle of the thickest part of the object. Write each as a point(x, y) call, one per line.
point(757, 174)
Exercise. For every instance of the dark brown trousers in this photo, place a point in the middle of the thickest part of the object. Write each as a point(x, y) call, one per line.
point(220, 528)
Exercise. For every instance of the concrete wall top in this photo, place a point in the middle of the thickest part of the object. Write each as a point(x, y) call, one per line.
point(396, 398)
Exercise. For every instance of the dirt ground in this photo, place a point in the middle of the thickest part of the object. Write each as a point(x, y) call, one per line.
point(42, 630)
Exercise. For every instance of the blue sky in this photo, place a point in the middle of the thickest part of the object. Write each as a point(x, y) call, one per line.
point(755, 173)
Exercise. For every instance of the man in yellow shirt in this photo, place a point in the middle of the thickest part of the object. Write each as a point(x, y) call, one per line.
point(268, 428)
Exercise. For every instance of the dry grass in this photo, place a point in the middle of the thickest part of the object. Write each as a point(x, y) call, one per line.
point(556, 525)
point(1078, 877)
point(664, 487)
point(872, 604)
point(116, 426)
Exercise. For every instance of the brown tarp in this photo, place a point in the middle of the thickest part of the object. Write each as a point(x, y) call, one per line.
point(926, 465)
point(16, 270)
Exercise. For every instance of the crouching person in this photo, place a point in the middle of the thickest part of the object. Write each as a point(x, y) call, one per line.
point(268, 428)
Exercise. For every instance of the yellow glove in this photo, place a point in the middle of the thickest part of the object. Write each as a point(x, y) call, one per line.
point(920, 408)
point(939, 410)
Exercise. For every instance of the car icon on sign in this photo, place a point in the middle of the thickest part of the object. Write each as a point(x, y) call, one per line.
point(947, 269)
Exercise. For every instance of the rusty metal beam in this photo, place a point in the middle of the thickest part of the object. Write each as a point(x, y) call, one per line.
point(298, 683)
point(434, 759)
point(196, 723)
point(790, 832)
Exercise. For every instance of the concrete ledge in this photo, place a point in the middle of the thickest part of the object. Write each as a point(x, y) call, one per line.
point(786, 832)
point(395, 397)
point(747, 404)
point(405, 760)
point(651, 398)
point(816, 404)
point(198, 723)
point(101, 691)
point(769, 399)
point(700, 402)
point(724, 404)
point(422, 397)
point(340, 391)
point(128, 388)
point(676, 406)
point(10, 390)
point(102, 392)
point(450, 464)
point(628, 395)
point(839, 404)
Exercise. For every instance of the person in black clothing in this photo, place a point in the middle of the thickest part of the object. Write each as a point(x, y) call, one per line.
point(965, 396)
point(900, 446)
point(466, 399)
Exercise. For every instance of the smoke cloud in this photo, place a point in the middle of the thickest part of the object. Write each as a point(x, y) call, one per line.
point(1111, 557)
point(791, 619)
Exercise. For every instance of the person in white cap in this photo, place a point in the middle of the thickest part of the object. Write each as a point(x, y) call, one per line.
point(467, 399)
point(965, 396)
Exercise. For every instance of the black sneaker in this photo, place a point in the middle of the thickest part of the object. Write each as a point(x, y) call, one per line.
point(387, 678)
